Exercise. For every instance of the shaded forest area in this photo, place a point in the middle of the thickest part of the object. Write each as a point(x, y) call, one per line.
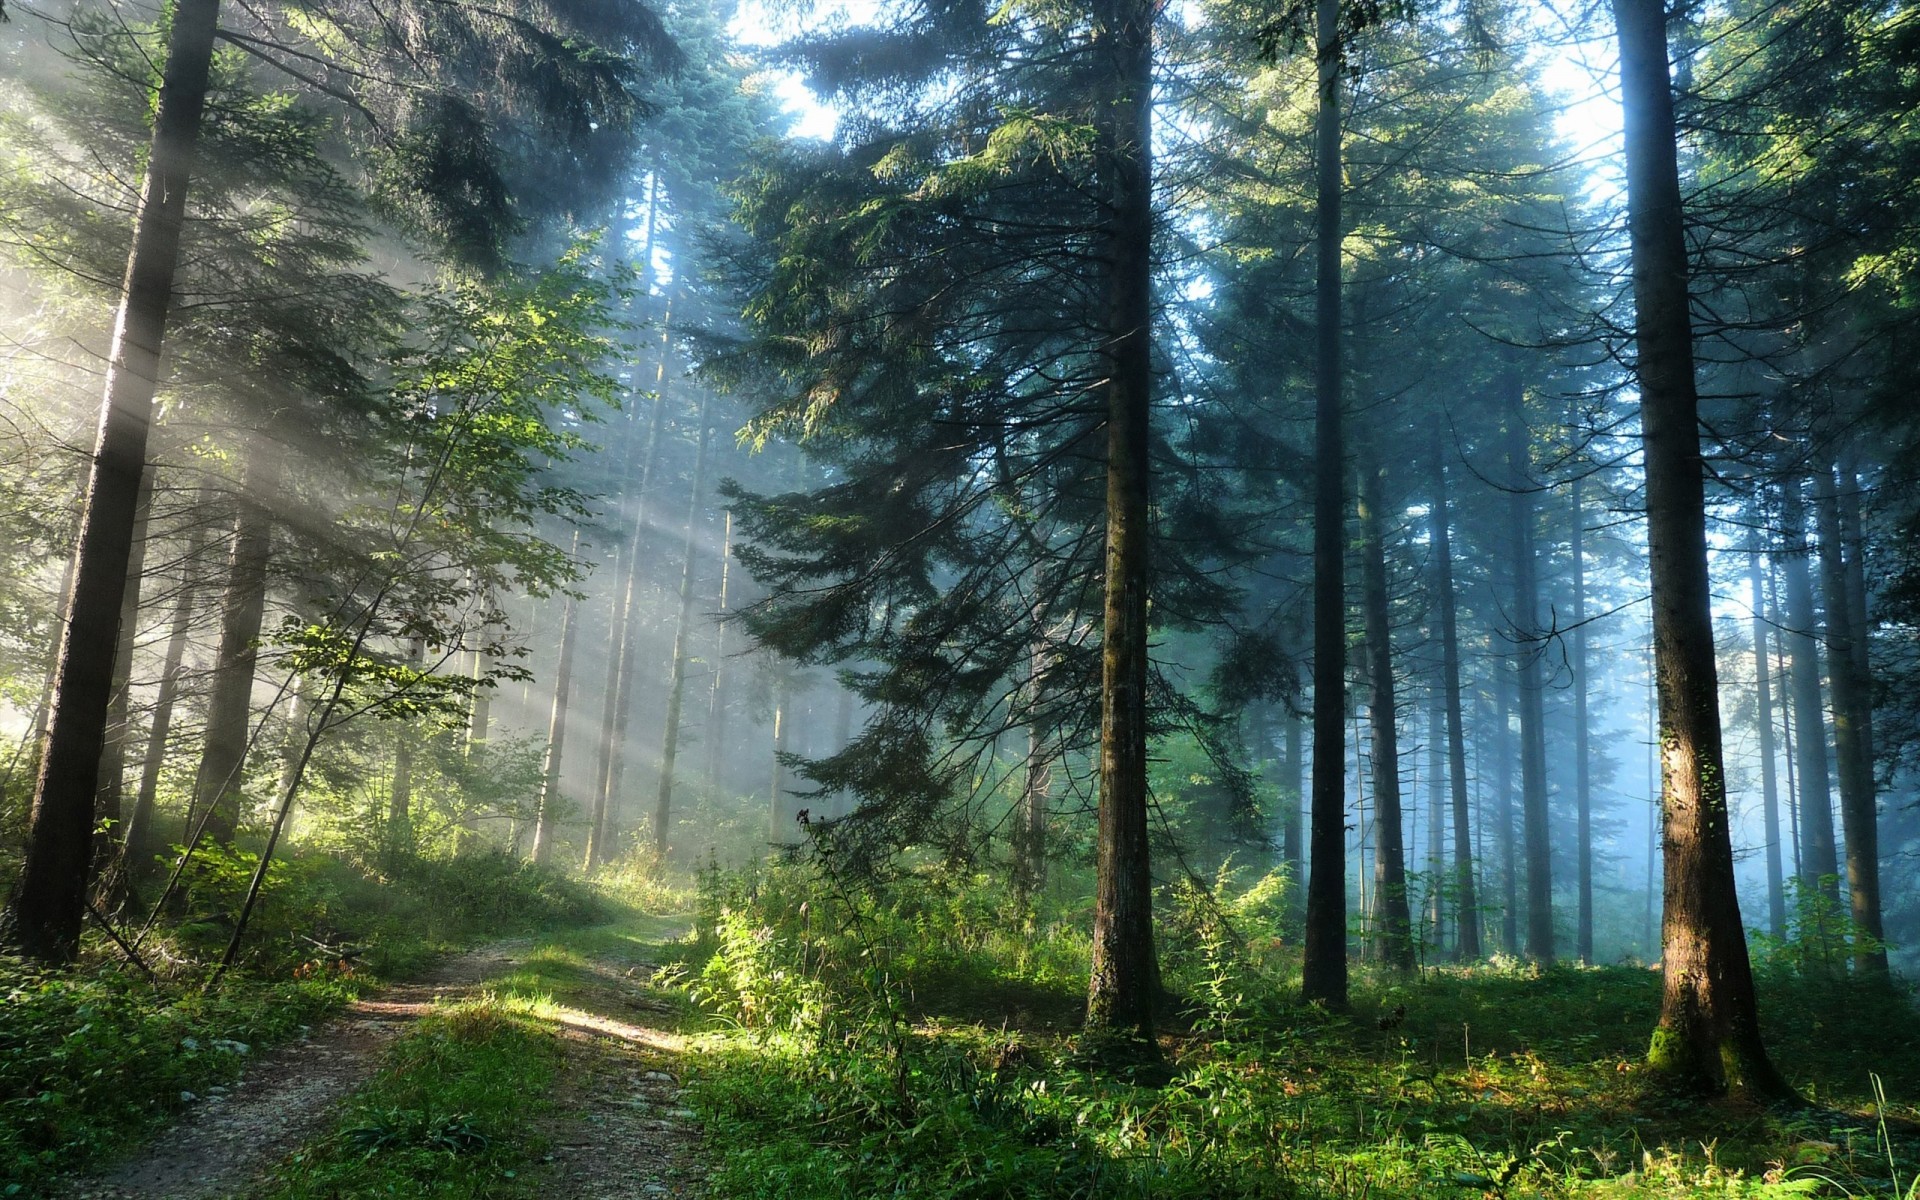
point(955, 599)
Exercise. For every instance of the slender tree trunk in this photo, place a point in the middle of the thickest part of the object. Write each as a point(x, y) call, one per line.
point(1293, 794)
point(1781, 671)
point(1393, 928)
point(1323, 974)
point(400, 793)
point(623, 667)
point(1819, 857)
point(1531, 685)
point(677, 679)
point(779, 826)
point(1852, 705)
point(1436, 917)
point(1125, 977)
point(48, 903)
point(1030, 823)
point(480, 712)
point(547, 816)
point(1503, 785)
point(1709, 1032)
point(217, 787)
point(113, 757)
point(1769, 786)
point(140, 841)
point(716, 694)
point(1582, 768)
point(1467, 941)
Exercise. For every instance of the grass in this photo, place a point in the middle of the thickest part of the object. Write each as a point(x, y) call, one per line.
point(870, 1063)
point(447, 1116)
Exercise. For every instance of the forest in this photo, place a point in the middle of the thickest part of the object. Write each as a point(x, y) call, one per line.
point(960, 598)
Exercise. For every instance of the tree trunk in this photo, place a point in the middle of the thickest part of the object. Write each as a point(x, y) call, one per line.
point(1292, 792)
point(400, 793)
point(1323, 974)
point(1436, 868)
point(1769, 783)
point(1852, 705)
point(779, 827)
point(48, 903)
point(547, 816)
point(1819, 858)
point(716, 695)
point(677, 679)
point(217, 787)
point(1393, 924)
point(1503, 674)
point(1709, 1032)
point(1121, 993)
point(1531, 685)
point(1030, 822)
point(140, 841)
point(1582, 769)
point(113, 757)
point(1467, 940)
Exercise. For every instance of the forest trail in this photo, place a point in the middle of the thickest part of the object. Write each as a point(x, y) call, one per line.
point(616, 1126)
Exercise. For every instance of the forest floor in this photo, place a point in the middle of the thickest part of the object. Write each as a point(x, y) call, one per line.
point(585, 1080)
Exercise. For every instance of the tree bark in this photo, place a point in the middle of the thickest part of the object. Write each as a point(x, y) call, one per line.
point(1709, 1032)
point(48, 904)
point(1125, 980)
point(677, 678)
point(1852, 706)
point(1819, 857)
point(113, 756)
point(400, 791)
point(1531, 686)
point(140, 841)
point(1769, 781)
point(1467, 940)
point(1323, 975)
point(1503, 686)
point(716, 696)
point(1393, 924)
point(1582, 767)
point(217, 787)
point(547, 816)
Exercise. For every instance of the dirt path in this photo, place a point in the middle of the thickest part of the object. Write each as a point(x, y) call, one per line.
point(285, 1097)
point(619, 1129)
point(617, 1126)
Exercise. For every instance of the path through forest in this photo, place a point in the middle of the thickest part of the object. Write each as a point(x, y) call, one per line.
point(617, 1126)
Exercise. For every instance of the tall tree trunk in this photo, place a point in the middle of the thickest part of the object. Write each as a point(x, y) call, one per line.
point(400, 792)
point(1782, 672)
point(1125, 977)
point(48, 903)
point(547, 816)
point(140, 845)
point(217, 787)
point(480, 711)
point(716, 694)
point(1582, 768)
point(1819, 857)
point(1323, 974)
point(779, 825)
point(1503, 684)
point(1467, 941)
point(677, 678)
point(1769, 785)
point(1436, 868)
point(1852, 705)
point(1292, 793)
point(1531, 684)
point(622, 665)
point(1393, 926)
point(1709, 1033)
point(113, 756)
point(1030, 822)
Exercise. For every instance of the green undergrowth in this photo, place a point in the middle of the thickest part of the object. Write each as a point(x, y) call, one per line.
point(448, 1115)
point(95, 1056)
point(855, 1053)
